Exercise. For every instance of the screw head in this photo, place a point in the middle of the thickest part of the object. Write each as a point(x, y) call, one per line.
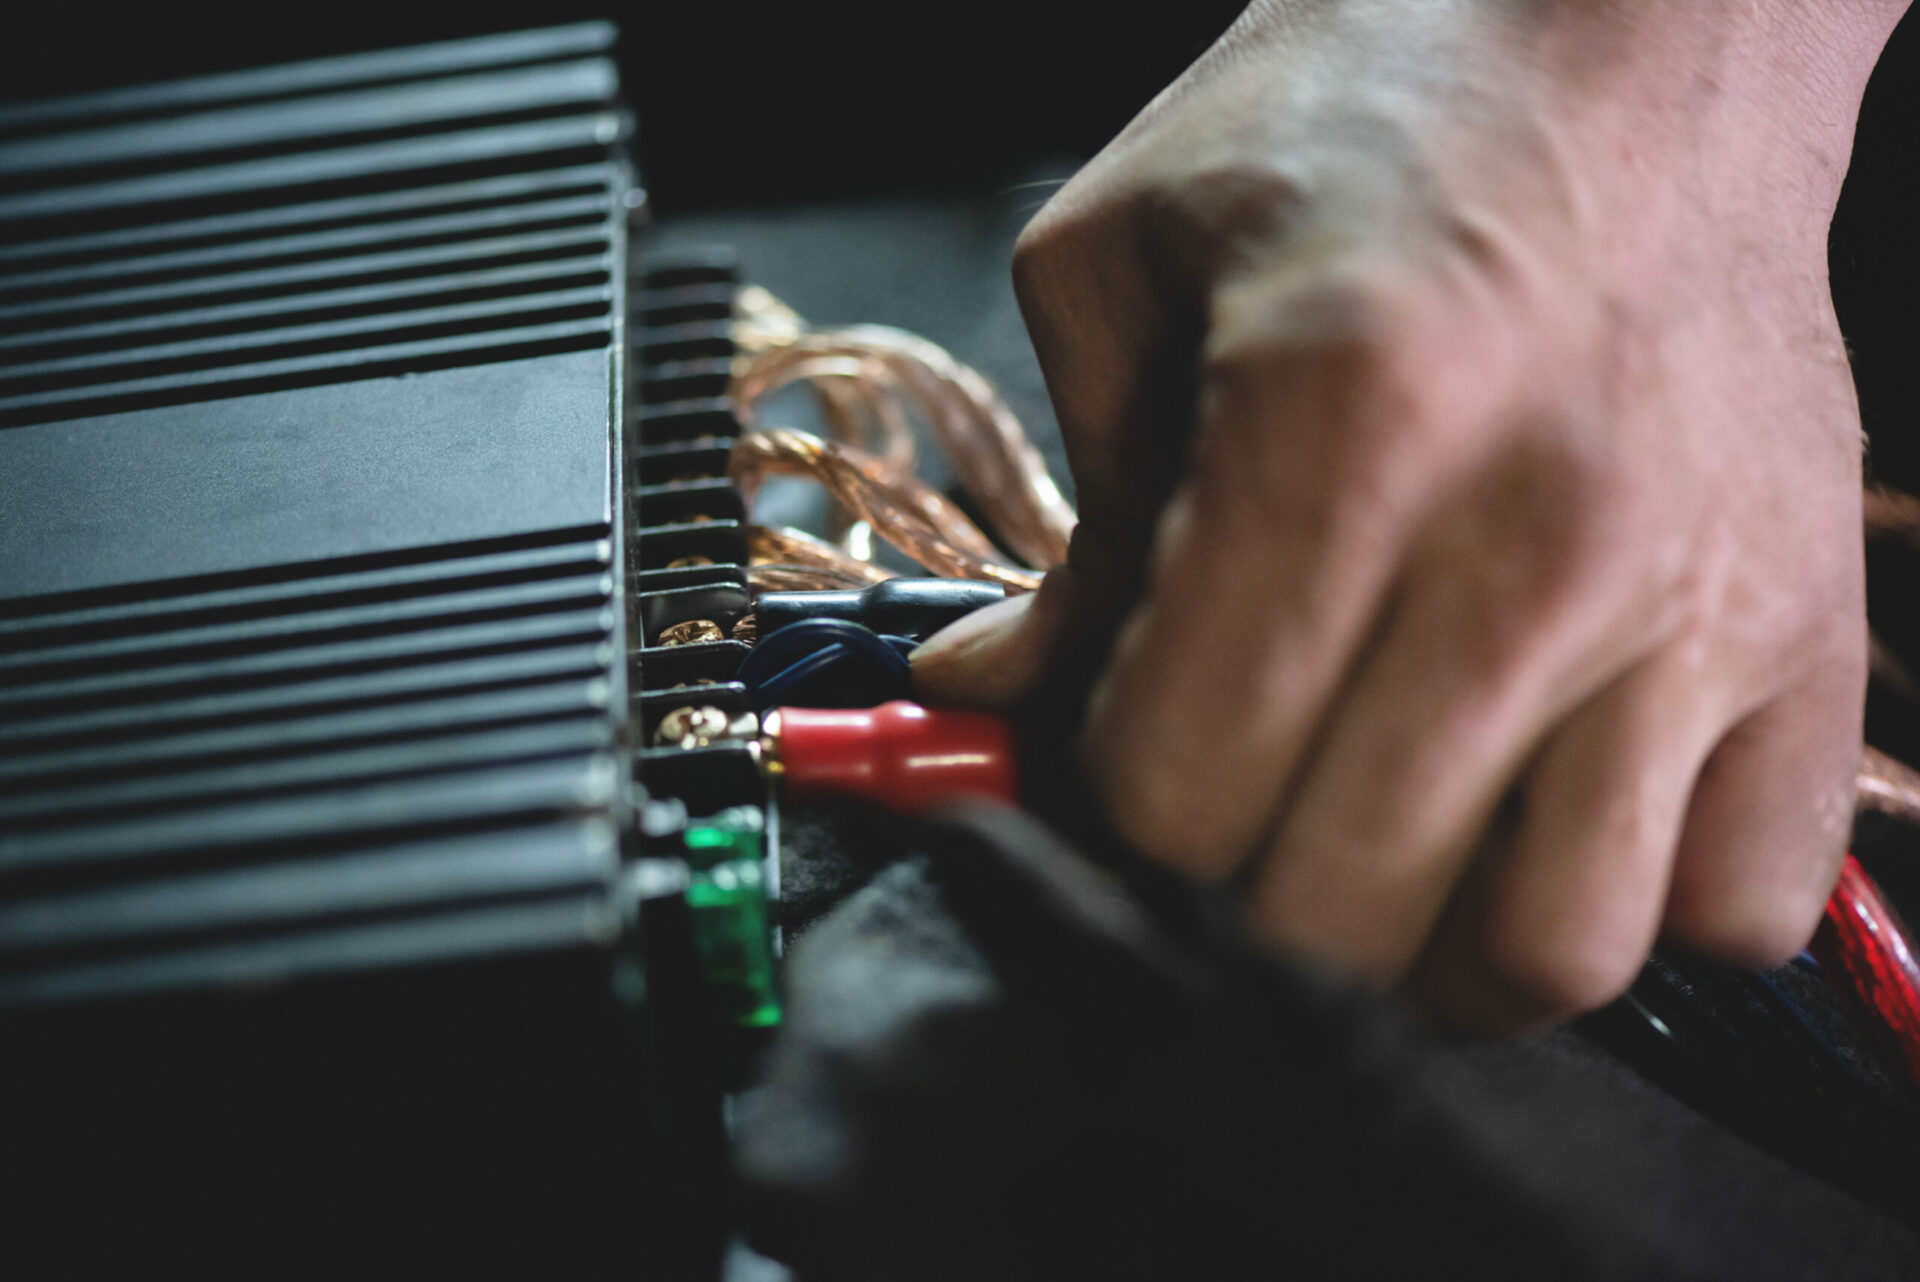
point(692, 632)
point(691, 727)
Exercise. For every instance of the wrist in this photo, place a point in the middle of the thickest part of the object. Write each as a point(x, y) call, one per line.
point(1800, 67)
point(1804, 64)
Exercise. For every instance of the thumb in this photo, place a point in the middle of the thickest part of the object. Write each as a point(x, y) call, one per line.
point(995, 657)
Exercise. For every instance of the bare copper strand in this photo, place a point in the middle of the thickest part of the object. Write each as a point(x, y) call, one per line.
point(856, 394)
point(862, 402)
point(799, 578)
point(989, 449)
point(858, 412)
point(761, 322)
point(909, 514)
point(1887, 786)
point(780, 546)
point(860, 484)
point(996, 462)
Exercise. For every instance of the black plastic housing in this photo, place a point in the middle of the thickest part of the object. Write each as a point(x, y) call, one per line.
point(320, 910)
point(914, 608)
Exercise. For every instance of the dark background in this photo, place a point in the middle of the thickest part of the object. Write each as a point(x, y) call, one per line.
point(750, 112)
point(831, 99)
point(835, 101)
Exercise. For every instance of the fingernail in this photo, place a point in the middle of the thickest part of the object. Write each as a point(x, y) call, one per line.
point(971, 631)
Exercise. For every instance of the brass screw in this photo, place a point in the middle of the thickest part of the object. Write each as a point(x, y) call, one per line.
point(697, 725)
point(692, 632)
point(691, 727)
point(682, 562)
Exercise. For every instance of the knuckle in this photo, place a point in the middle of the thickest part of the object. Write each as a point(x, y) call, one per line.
point(1074, 241)
point(1566, 516)
point(1563, 968)
point(1038, 257)
point(1748, 930)
point(1310, 433)
point(1344, 317)
point(1758, 865)
point(1038, 244)
point(1163, 811)
point(1221, 216)
point(1755, 912)
point(1161, 816)
point(1538, 556)
point(1752, 920)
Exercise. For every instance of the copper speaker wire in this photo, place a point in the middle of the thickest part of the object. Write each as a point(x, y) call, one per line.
point(800, 578)
point(1888, 786)
point(896, 372)
point(861, 404)
point(990, 452)
point(915, 518)
point(861, 399)
point(795, 550)
point(989, 449)
point(893, 501)
point(761, 322)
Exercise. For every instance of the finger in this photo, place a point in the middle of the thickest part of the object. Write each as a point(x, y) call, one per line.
point(1560, 917)
point(1771, 815)
point(995, 658)
point(1115, 342)
point(1110, 311)
point(1269, 570)
point(1492, 644)
point(1329, 420)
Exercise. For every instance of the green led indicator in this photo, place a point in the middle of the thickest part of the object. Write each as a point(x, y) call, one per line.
point(729, 903)
point(731, 834)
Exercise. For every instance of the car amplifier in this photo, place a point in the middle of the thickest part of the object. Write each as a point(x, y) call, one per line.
point(319, 874)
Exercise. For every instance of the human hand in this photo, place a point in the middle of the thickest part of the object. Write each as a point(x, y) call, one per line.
point(1472, 371)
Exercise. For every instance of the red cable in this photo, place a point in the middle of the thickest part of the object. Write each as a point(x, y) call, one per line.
point(1866, 954)
point(909, 757)
point(901, 755)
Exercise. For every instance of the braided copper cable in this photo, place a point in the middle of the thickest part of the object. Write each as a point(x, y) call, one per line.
point(777, 577)
point(1887, 786)
point(990, 451)
point(875, 373)
point(919, 520)
point(862, 400)
point(778, 552)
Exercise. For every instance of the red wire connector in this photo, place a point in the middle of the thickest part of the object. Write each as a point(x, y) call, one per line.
point(899, 754)
point(1866, 954)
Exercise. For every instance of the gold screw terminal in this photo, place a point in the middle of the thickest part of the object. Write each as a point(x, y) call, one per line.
point(692, 632)
point(697, 725)
point(690, 727)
